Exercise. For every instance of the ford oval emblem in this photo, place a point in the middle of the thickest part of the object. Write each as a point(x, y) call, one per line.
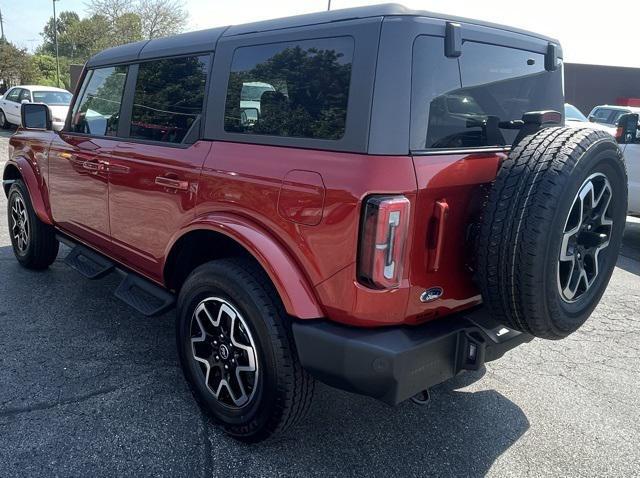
point(432, 294)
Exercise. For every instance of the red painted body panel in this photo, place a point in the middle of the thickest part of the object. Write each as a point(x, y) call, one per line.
point(296, 211)
point(295, 292)
point(145, 215)
point(31, 161)
point(79, 187)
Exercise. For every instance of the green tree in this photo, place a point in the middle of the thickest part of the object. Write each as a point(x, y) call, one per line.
point(65, 22)
point(15, 64)
point(161, 17)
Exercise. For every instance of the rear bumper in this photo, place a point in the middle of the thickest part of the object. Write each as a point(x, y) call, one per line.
point(394, 364)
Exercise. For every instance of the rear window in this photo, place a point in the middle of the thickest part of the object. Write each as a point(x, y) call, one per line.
point(464, 102)
point(167, 103)
point(293, 89)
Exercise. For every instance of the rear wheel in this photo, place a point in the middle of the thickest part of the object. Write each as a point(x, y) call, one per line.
point(237, 351)
point(552, 229)
point(34, 242)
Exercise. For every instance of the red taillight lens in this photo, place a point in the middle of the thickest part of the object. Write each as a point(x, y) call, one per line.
point(385, 224)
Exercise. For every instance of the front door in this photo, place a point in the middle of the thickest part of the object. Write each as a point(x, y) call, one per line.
point(11, 106)
point(79, 158)
point(154, 175)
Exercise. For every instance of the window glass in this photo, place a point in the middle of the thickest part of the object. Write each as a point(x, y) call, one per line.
point(495, 85)
point(53, 98)
point(168, 98)
point(24, 95)
point(295, 89)
point(616, 116)
point(98, 110)
point(601, 115)
point(573, 113)
point(13, 94)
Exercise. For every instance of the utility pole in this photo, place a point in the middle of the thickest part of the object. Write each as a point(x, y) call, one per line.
point(55, 40)
point(329, 5)
point(1, 26)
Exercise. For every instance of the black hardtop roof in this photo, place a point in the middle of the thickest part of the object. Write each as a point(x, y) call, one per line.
point(205, 40)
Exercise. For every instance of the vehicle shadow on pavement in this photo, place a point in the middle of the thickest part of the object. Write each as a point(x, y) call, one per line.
point(90, 387)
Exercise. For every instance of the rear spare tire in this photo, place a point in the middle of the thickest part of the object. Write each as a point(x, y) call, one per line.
point(551, 230)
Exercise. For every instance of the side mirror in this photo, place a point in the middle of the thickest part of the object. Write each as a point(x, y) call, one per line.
point(35, 116)
point(592, 119)
point(25, 101)
point(627, 131)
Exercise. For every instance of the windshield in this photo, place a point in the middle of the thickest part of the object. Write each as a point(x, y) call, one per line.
point(573, 113)
point(52, 98)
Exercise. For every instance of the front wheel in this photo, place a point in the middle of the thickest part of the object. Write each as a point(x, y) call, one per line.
point(237, 352)
point(4, 124)
point(34, 242)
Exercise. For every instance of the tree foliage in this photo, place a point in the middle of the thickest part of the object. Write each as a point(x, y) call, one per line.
point(15, 65)
point(109, 23)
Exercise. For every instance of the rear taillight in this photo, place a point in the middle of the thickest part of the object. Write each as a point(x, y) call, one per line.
point(385, 224)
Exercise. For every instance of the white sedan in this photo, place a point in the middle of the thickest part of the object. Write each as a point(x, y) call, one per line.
point(57, 99)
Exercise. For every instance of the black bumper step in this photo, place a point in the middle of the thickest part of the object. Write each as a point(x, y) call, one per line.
point(145, 297)
point(88, 263)
point(393, 364)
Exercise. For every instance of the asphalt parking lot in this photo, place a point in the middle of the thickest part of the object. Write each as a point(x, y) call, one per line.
point(90, 388)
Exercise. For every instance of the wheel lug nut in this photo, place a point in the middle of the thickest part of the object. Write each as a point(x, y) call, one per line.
point(217, 357)
point(226, 366)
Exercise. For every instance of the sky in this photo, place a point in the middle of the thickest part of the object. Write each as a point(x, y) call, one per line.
point(588, 31)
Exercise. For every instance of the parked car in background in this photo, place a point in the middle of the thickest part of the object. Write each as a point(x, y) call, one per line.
point(574, 118)
point(56, 98)
point(628, 135)
point(608, 115)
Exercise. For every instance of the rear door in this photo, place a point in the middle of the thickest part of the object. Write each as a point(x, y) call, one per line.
point(79, 157)
point(154, 172)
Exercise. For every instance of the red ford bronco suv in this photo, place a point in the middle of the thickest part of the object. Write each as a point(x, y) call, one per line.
point(378, 198)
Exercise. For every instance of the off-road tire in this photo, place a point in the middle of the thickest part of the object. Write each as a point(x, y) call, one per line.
point(285, 389)
point(42, 248)
point(523, 225)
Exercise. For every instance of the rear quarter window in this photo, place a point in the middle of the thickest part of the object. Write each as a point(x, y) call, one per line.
point(463, 102)
point(290, 89)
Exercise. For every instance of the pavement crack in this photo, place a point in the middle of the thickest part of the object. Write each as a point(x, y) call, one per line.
point(8, 412)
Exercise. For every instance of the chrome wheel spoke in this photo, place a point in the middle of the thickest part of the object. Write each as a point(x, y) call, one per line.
point(586, 233)
point(224, 348)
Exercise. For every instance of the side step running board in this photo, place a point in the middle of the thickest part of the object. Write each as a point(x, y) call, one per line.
point(137, 292)
point(145, 297)
point(88, 263)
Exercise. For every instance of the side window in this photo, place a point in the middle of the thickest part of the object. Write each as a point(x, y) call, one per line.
point(168, 99)
point(497, 85)
point(97, 111)
point(294, 89)
point(616, 116)
point(24, 95)
point(601, 115)
point(13, 95)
